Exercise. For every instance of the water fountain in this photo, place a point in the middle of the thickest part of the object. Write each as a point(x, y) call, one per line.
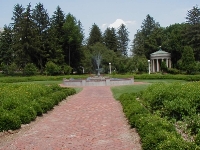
point(98, 80)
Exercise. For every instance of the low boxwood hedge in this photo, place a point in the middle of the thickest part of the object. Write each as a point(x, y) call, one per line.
point(21, 103)
point(156, 133)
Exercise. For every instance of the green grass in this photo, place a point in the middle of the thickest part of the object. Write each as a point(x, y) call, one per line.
point(159, 80)
point(118, 90)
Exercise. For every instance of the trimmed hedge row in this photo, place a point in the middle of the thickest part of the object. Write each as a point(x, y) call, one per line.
point(156, 133)
point(13, 79)
point(168, 76)
point(22, 103)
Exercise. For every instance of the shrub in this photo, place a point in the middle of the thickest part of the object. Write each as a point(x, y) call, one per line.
point(9, 69)
point(67, 69)
point(45, 103)
point(52, 68)
point(30, 69)
point(9, 121)
point(26, 113)
point(37, 108)
point(173, 71)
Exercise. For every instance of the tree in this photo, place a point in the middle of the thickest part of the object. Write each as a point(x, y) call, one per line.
point(148, 25)
point(123, 40)
point(138, 44)
point(188, 60)
point(72, 41)
point(56, 33)
point(6, 51)
point(148, 38)
point(41, 22)
point(174, 41)
point(110, 39)
point(193, 30)
point(95, 35)
point(153, 41)
point(21, 27)
point(193, 16)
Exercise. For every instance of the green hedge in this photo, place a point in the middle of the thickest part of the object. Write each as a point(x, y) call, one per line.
point(22, 103)
point(156, 133)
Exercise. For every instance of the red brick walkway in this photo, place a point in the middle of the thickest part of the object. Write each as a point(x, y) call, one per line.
point(90, 120)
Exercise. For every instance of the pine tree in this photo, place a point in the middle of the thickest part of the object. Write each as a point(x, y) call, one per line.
point(72, 39)
point(193, 30)
point(148, 25)
point(123, 40)
point(6, 51)
point(56, 32)
point(95, 35)
point(110, 39)
point(138, 44)
point(23, 34)
point(41, 22)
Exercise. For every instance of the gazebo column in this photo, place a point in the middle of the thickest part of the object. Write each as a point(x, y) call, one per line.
point(153, 67)
point(157, 63)
point(167, 63)
point(170, 63)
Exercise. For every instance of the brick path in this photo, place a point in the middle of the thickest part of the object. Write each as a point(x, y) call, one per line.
point(90, 120)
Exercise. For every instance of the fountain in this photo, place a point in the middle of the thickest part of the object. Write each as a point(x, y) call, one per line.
point(98, 80)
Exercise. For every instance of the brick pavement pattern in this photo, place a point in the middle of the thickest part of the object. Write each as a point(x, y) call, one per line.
point(89, 120)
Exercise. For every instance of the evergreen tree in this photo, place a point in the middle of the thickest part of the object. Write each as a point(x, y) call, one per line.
point(95, 35)
point(153, 41)
point(174, 41)
point(123, 40)
point(41, 21)
point(56, 32)
point(193, 30)
point(6, 51)
point(188, 60)
point(72, 39)
point(23, 34)
point(142, 43)
point(148, 25)
point(138, 44)
point(110, 39)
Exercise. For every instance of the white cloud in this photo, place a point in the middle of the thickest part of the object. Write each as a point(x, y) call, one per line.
point(119, 22)
point(104, 25)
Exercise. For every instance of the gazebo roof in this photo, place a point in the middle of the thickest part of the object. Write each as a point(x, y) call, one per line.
point(160, 52)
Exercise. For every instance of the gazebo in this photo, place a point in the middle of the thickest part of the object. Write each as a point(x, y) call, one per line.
point(157, 58)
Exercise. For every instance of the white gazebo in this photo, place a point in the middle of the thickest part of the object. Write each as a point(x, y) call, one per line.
point(158, 57)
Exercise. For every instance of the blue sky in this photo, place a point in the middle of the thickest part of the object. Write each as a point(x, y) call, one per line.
point(110, 13)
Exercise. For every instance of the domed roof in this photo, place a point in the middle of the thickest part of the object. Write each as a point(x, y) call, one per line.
point(160, 53)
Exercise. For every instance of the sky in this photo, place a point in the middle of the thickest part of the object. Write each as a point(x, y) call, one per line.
point(109, 13)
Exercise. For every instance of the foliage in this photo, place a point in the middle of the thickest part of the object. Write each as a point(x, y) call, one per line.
point(67, 69)
point(9, 69)
point(110, 39)
point(95, 35)
point(9, 121)
point(123, 40)
point(188, 60)
point(52, 69)
point(21, 103)
point(192, 32)
point(173, 71)
point(72, 40)
point(155, 132)
point(163, 66)
point(30, 69)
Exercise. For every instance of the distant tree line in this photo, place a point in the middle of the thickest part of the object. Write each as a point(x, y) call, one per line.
point(34, 42)
point(177, 39)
